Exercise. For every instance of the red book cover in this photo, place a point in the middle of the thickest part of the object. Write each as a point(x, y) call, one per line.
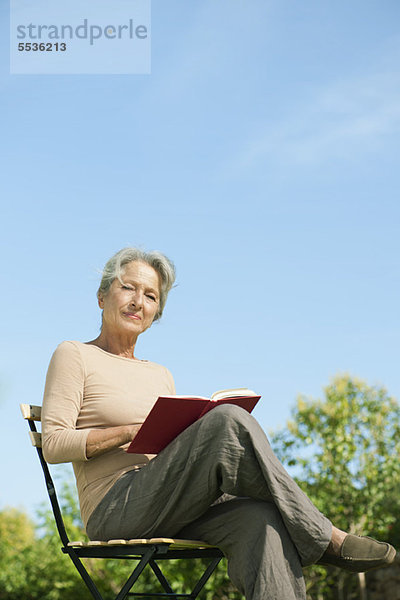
point(171, 415)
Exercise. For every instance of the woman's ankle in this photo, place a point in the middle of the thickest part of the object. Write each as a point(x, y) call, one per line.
point(337, 539)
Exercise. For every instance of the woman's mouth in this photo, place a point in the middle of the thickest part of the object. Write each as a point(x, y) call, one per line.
point(132, 316)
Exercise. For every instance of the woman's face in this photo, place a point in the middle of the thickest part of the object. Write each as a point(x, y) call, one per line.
point(129, 308)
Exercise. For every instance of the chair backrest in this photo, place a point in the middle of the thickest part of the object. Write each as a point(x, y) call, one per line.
point(33, 414)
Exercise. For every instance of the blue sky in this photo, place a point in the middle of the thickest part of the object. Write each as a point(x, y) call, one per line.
point(261, 155)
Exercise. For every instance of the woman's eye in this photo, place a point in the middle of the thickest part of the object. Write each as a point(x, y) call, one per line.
point(151, 297)
point(127, 287)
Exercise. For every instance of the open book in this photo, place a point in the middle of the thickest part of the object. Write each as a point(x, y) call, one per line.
point(170, 415)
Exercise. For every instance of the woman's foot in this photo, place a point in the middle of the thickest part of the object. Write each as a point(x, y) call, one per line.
point(356, 553)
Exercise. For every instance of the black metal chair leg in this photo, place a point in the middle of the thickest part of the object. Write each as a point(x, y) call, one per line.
point(135, 574)
point(85, 575)
point(162, 579)
point(204, 578)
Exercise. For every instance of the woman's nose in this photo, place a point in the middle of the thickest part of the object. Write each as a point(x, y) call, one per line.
point(137, 298)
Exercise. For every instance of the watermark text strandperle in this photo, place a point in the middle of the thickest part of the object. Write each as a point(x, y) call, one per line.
point(83, 32)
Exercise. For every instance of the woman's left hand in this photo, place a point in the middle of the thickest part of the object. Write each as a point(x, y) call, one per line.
point(103, 440)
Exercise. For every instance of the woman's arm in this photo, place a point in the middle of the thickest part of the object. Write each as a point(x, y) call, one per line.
point(103, 440)
point(63, 396)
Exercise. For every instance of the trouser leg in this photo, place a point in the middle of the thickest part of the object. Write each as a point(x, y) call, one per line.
point(263, 562)
point(224, 452)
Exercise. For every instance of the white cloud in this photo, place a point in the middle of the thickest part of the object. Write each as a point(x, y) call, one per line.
point(342, 119)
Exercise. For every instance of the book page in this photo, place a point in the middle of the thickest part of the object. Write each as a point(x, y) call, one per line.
point(232, 393)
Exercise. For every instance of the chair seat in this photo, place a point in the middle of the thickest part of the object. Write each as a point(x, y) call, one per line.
point(171, 542)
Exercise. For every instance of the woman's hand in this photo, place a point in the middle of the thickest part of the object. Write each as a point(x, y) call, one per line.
point(103, 440)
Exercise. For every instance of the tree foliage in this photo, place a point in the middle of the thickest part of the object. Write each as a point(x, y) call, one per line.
point(344, 451)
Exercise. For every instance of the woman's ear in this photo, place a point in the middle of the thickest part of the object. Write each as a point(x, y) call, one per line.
point(100, 301)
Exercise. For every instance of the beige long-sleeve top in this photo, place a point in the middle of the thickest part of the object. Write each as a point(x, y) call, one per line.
point(88, 388)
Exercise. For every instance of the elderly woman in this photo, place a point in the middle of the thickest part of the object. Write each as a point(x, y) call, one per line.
point(218, 481)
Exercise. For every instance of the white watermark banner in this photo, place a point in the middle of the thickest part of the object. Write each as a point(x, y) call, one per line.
point(80, 36)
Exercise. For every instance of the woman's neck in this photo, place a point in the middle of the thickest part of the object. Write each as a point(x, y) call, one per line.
point(114, 345)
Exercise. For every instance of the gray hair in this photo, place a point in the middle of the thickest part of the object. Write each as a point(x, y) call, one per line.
point(114, 269)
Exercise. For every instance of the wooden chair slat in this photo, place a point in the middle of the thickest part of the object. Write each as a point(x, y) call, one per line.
point(31, 412)
point(93, 544)
point(178, 543)
point(36, 439)
point(174, 543)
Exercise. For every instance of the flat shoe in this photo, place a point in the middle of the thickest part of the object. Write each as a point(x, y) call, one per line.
point(359, 554)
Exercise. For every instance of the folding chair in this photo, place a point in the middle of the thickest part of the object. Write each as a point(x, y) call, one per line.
point(144, 551)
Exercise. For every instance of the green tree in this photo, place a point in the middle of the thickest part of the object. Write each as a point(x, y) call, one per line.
point(16, 536)
point(344, 451)
point(32, 566)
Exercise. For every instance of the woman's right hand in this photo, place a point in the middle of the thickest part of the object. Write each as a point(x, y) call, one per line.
point(100, 441)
